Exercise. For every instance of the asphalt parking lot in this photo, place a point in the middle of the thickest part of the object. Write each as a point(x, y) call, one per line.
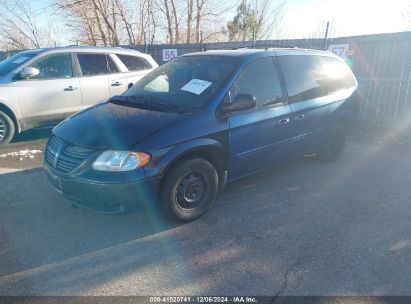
point(306, 228)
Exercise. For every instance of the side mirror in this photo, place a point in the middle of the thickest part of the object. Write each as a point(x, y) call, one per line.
point(241, 102)
point(28, 72)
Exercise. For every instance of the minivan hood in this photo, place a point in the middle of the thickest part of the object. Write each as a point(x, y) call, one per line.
point(113, 126)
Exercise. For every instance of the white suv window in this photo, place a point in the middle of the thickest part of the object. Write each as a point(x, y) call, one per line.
point(54, 67)
point(134, 63)
point(111, 65)
point(93, 64)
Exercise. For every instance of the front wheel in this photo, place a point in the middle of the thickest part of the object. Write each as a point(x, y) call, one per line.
point(7, 129)
point(334, 144)
point(189, 189)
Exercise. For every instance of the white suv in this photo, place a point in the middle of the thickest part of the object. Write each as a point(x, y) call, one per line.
point(44, 86)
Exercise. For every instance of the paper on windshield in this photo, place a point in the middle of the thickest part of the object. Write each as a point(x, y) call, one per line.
point(196, 86)
point(20, 59)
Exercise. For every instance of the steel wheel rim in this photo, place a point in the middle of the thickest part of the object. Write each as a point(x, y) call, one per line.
point(191, 190)
point(3, 128)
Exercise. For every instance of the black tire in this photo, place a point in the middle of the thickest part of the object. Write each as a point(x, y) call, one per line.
point(189, 189)
point(7, 129)
point(334, 145)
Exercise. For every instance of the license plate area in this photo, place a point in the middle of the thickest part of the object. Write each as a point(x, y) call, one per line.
point(54, 181)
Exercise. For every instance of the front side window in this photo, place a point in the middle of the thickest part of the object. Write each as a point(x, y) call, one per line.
point(134, 63)
point(189, 82)
point(304, 77)
point(54, 67)
point(93, 64)
point(11, 63)
point(259, 79)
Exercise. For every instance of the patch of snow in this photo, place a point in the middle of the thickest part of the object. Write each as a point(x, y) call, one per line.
point(26, 153)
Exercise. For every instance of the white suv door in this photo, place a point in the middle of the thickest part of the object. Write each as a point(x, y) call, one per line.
point(50, 96)
point(94, 82)
point(118, 80)
point(135, 67)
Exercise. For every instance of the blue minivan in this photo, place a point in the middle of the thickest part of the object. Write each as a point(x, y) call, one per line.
point(173, 140)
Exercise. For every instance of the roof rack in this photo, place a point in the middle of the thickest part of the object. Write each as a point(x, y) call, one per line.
point(271, 47)
point(241, 48)
point(277, 46)
point(95, 47)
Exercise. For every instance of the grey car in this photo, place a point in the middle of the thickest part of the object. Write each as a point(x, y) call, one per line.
point(42, 87)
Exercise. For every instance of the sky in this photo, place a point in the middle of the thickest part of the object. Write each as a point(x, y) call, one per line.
point(347, 17)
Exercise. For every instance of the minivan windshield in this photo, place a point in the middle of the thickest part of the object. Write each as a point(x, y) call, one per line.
point(188, 82)
point(8, 65)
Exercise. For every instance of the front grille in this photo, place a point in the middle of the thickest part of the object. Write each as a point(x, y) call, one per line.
point(69, 156)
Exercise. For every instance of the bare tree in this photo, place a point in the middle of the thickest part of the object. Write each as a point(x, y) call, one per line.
point(187, 21)
point(200, 4)
point(164, 8)
point(115, 22)
point(82, 19)
point(110, 22)
point(176, 19)
point(257, 20)
point(190, 7)
point(127, 21)
point(173, 12)
point(19, 27)
point(147, 19)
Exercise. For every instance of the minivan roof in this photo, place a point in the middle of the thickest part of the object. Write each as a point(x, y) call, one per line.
point(272, 51)
point(87, 49)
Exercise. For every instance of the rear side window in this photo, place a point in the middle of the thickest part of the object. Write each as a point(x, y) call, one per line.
point(93, 64)
point(311, 76)
point(259, 79)
point(54, 66)
point(304, 77)
point(339, 75)
point(134, 63)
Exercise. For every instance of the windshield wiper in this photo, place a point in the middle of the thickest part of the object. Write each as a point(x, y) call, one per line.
point(136, 101)
point(149, 101)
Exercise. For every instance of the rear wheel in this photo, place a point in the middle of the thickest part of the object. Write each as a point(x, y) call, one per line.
point(7, 129)
point(334, 145)
point(189, 189)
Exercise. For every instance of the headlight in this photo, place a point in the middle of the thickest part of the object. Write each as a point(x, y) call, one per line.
point(118, 161)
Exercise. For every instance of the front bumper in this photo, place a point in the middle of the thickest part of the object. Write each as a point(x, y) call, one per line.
point(114, 194)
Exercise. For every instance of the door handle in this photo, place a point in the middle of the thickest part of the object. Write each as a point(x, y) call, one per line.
point(70, 88)
point(299, 117)
point(116, 84)
point(284, 121)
